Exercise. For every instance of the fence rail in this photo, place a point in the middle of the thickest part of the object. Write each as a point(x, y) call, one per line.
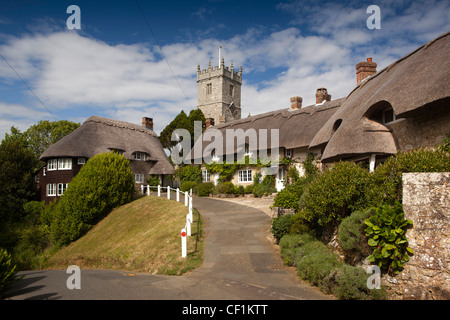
point(186, 231)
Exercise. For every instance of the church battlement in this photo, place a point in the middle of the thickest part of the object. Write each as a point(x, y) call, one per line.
point(221, 70)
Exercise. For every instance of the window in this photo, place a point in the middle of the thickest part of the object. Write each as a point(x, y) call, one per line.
point(44, 172)
point(388, 116)
point(139, 156)
point(117, 151)
point(245, 175)
point(231, 90)
point(61, 188)
point(81, 160)
point(51, 189)
point(52, 164)
point(208, 88)
point(139, 178)
point(64, 164)
point(289, 153)
point(206, 176)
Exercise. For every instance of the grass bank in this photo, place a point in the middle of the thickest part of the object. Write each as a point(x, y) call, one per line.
point(141, 236)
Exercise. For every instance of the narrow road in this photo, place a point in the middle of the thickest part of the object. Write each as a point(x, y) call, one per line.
point(240, 263)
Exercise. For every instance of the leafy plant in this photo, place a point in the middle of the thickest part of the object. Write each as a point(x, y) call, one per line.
point(386, 230)
point(204, 189)
point(7, 270)
point(281, 226)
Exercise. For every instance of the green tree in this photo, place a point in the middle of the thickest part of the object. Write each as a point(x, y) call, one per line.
point(39, 136)
point(16, 176)
point(104, 182)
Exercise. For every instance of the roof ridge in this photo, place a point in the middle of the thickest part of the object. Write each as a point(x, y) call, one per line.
point(120, 124)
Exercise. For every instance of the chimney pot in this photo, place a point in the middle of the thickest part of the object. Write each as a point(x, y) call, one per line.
point(147, 123)
point(296, 103)
point(365, 69)
point(209, 122)
point(322, 95)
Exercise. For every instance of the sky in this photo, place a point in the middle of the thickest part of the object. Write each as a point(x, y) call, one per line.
point(136, 58)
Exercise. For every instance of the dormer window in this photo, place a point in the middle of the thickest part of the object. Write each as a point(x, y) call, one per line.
point(65, 164)
point(117, 151)
point(388, 116)
point(140, 156)
point(52, 164)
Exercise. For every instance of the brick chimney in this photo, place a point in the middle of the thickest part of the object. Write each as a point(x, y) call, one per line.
point(147, 122)
point(322, 95)
point(365, 69)
point(296, 103)
point(209, 122)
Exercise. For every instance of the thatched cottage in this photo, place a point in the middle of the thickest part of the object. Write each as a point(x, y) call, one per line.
point(96, 135)
point(404, 106)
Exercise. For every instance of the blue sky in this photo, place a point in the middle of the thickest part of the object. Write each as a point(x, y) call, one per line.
point(116, 67)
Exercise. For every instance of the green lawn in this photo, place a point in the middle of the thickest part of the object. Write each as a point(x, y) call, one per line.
point(142, 236)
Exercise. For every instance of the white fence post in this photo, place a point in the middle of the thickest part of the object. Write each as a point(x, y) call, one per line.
point(159, 190)
point(188, 225)
point(142, 188)
point(148, 190)
point(183, 243)
point(185, 199)
point(178, 195)
point(168, 192)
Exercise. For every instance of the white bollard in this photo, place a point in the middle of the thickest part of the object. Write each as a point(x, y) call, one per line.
point(178, 195)
point(185, 199)
point(183, 243)
point(148, 190)
point(168, 192)
point(188, 225)
point(142, 188)
point(159, 190)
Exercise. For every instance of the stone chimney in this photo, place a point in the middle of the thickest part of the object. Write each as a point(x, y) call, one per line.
point(322, 95)
point(296, 103)
point(147, 122)
point(209, 122)
point(365, 69)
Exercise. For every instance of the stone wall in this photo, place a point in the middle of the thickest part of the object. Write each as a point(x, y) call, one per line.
point(426, 201)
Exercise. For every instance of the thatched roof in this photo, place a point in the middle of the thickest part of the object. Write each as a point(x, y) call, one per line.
point(296, 127)
point(408, 85)
point(99, 135)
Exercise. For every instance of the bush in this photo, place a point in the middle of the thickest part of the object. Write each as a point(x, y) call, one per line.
point(103, 183)
point(7, 270)
point(248, 189)
point(286, 199)
point(281, 226)
point(334, 194)
point(189, 173)
point(386, 180)
point(226, 188)
point(289, 244)
point(188, 185)
point(266, 187)
point(352, 238)
point(204, 189)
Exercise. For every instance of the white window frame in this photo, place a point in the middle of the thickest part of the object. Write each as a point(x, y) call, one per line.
point(138, 178)
point(65, 164)
point(51, 190)
point(289, 153)
point(81, 160)
point(52, 164)
point(245, 175)
point(140, 156)
point(62, 187)
point(206, 176)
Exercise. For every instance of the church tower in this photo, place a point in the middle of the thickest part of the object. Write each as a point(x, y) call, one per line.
point(219, 92)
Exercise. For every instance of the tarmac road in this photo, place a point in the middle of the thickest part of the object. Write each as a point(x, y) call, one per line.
point(240, 263)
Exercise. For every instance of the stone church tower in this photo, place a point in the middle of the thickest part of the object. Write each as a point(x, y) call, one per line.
point(219, 93)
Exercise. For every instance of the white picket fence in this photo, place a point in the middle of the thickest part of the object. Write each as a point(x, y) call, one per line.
point(186, 231)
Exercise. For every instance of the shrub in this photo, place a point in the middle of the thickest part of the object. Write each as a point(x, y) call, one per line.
point(248, 189)
point(7, 270)
point(281, 226)
point(386, 230)
point(386, 180)
point(188, 185)
point(226, 188)
point(103, 183)
point(289, 244)
point(286, 199)
point(189, 173)
point(266, 187)
point(352, 238)
point(153, 180)
point(204, 189)
point(334, 194)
